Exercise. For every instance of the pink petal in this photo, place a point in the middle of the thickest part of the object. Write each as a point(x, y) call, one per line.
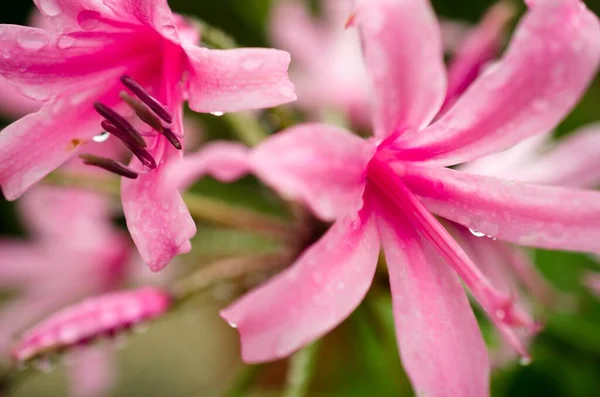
point(404, 56)
point(479, 47)
point(240, 79)
point(322, 166)
point(42, 64)
point(550, 62)
point(93, 373)
point(73, 15)
point(226, 161)
point(13, 104)
point(530, 215)
point(314, 295)
point(157, 217)
point(94, 317)
point(573, 161)
point(62, 214)
point(40, 142)
point(441, 346)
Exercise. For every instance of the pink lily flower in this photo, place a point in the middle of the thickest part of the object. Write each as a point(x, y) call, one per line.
point(324, 54)
point(387, 191)
point(102, 57)
point(327, 54)
point(73, 252)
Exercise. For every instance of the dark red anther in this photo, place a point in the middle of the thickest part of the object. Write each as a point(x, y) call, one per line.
point(139, 152)
point(109, 165)
point(172, 138)
point(119, 121)
point(158, 108)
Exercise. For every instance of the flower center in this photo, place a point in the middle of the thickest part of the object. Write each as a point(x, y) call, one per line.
point(150, 111)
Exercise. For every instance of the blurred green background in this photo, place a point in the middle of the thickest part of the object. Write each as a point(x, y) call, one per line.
point(194, 353)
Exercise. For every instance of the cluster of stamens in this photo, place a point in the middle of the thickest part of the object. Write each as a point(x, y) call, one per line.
point(150, 111)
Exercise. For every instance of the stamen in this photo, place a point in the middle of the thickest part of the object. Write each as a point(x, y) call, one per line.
point(119, 121)
point(158, 108)
point(142, 112)
point(109, 165)
point(172, 138)
point(142, 154)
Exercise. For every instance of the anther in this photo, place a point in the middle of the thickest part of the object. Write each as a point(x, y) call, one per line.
point(139, 152)
point(158, 108)
point(119, 121)
point(172, 138)
point(109, 165)
point(142, 111)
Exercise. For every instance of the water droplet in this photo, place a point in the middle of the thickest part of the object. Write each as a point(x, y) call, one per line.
point(49, 7)
point(32, 40)
point(476, 233)
point(525, 361)
point(34, 92)
point(169, 29)
point(218, 114)
point(232, 324)
point(66, 41)
point(101, 137)
point(88, 19)
point(500, 314)
point(252, 63)
point(43, 365)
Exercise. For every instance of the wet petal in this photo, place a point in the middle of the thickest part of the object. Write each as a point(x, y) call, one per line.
point(311, 297)
point(480, 46)
point(525, 214)
point(551, 60)
point(441, 346)
point(240, 79)
point(157, 217)
point(226, 161)
point(409, 80)
point(320, 165)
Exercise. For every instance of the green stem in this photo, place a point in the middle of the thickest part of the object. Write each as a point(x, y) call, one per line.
point(244, 380)
point(247, 127)
point(226, 269)
point(201, 207)
point(301, 371)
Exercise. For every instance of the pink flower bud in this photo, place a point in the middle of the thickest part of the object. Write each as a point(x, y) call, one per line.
point(98, 316)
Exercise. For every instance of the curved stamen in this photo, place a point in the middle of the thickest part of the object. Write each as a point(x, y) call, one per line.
point(142, 112)
point(170, 135)
point(139, 152)
point(119, 121)
point(158, 108)
point(109, 165)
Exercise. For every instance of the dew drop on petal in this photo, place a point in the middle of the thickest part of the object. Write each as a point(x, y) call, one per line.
point(102, 137)
point(49, 7)
point(34, 92)
point(232, 324)
point(250, 64)
point(500, 314)
point(66, 41)
point(218, 114)
point(476, 233)
point(169, 29)
point(88, 19)
point(31, 40)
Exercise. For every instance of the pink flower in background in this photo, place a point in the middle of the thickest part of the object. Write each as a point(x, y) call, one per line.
point(326, 54)
point(592, 280)
point(102, 57)
point(387, 190)
point(327, 67)
point(73, 251)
